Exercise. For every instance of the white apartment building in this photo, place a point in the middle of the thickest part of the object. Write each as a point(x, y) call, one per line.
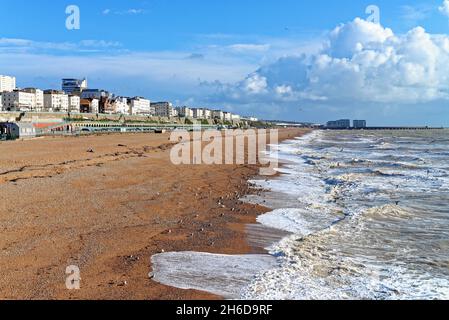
point(23, 100)
point(7, 84)
point(198, 113)
point(74, 104)
point(185, 112)
point(235, 117)
point(121, 105)
point(163, 109)
point(38, 102)
point(141, 106)
point(218, 114)
point(95, 106)
point(207, 114)
point(227, 116)
point(1, 102)
point(56, 101)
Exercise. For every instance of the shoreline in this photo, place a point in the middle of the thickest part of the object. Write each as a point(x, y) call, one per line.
point(134, 205)
point(203, 270)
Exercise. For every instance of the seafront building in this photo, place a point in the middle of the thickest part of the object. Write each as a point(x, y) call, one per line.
point(74, 86)
point(89, 105)
point(163, 109)
point(121, 105)
point(346, 124)
point(339, 124)
point(23, 100)
point(207, 114)
point(94, 94)
point(227, 116)
point(359, 124)
point(185, 112)
point(74, 103)
point(7, 83)
point(235, 117)
point(218, 115)
point(76, 97)
point(37, 98)
point(56, 101)
point(141, 106)
point(198, 113)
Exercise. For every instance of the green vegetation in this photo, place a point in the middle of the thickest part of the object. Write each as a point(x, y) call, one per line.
point(261, 124)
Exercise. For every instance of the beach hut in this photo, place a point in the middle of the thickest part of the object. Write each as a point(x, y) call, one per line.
point(16, 130)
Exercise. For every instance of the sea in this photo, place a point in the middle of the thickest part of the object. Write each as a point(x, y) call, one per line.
point(366, 215)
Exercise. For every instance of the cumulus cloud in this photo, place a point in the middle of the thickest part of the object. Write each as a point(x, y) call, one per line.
point(444, 8)
point(360, 62)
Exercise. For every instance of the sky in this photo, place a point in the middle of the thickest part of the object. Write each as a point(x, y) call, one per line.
point(310, 61)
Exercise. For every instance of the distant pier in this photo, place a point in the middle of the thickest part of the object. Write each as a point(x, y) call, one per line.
point(387, 128)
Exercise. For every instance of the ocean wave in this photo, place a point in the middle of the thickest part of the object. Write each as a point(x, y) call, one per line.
point(366, 224)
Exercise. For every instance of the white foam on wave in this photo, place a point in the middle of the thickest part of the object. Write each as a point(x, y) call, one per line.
point(223, 275)
point(289, 220)
point(371, 252)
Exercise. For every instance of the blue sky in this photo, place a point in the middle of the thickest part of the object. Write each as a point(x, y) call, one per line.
point(225, 54)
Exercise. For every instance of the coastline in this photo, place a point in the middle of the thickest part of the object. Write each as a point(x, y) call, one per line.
point(117, 208)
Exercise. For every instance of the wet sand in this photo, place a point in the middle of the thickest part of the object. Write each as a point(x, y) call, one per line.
point(107, 204)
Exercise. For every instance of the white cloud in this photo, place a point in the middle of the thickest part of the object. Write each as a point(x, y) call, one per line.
point(25, 45)
point(255, 84)
point(356, 67)
point(414, 14)
point(131, 11)
point(244, 47)
point(361, 63)
point(444, 8)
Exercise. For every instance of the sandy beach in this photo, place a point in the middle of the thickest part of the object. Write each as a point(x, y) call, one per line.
point(107, 204)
